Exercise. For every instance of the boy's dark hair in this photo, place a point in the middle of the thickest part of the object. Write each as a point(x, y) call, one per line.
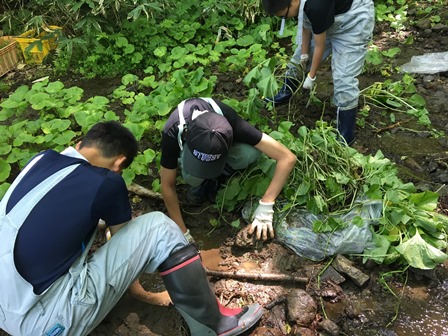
point(112, 139)
point(272, 7)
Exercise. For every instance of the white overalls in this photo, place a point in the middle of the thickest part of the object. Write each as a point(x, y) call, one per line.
point(79, 300)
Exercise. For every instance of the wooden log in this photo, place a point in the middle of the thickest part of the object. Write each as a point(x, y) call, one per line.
point(255, 276)
point(144, 192)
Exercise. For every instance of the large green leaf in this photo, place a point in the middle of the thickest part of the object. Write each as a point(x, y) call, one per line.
point(54, 87)
point(5, 170)
point(425, 200)
point(378, 252)
point(420, 254)
point(3, 188)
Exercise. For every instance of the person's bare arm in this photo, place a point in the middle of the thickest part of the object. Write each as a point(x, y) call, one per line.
point(136, 289)
point(285, 163)
point(319, 49)
point(306, 40)
point(169, 193)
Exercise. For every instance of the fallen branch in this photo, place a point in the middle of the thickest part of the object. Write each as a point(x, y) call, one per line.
point(144, 192)
point(255, 276)
point(379, 130)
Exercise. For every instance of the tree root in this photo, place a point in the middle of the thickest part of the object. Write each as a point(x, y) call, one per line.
point(275, 302)
point(144, 192)
point(397, 124)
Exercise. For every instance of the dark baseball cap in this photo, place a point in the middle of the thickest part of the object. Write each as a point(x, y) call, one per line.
point(207, 142)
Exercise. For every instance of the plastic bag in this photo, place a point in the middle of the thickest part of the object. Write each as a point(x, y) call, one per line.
point(296, 232)
point(428, 63)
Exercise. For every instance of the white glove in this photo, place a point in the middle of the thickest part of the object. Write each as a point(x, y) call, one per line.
point(263, 220)
point(309, 82)
point(304, 61)
point(188, 236)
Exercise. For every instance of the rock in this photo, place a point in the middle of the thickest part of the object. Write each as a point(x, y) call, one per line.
point(329, 326)
point(301, 331)
point(343, 265)
point(276, 319)
point(333, 275)
point(438, 26)
point(266, 331)
point(424, 273)
point(432, 166)
point(441, 176)
point(424, 24)
point(426, 33)
point(301, 307)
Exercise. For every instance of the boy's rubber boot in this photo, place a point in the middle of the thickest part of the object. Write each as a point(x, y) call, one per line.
point(191, 294)
point(284, 95)
point(346, 123)
point(197, 195)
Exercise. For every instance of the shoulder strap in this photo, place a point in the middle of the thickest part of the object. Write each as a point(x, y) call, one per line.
point(180, 110)
point(215, 106)
point(300, 24)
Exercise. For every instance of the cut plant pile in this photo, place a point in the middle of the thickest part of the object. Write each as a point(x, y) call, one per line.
point(329, 178)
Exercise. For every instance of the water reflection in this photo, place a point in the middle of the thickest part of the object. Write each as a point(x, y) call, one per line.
point(427, 317)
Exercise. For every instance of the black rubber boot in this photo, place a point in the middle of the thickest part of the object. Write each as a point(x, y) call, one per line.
point(191, 294)
point(284, 95)
point(197, 195)
point(206, 191)
point(347, 124)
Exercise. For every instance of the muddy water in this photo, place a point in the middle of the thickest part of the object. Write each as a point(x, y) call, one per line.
point(424, 312)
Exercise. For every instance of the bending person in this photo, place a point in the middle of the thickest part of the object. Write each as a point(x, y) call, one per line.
point(210, 141)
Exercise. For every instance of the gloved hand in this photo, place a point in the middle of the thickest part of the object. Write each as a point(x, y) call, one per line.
point(188, 236)
point(304, 61)
point(262, 221)
point(309, 82)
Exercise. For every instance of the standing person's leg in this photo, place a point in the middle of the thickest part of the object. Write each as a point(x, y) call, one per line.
point(294, 70)
point(350, 42)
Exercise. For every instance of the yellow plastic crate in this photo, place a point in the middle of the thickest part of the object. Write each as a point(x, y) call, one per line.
point(9, 56)
point(43, 43)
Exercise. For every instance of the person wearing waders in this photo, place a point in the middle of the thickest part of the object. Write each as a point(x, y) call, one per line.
point(51, 285)
point(340, 28)
point(209, 141)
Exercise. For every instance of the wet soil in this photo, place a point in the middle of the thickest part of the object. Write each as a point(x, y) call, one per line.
point(334, 307)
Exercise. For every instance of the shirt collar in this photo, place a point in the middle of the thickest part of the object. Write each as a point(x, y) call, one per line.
point(72, 152)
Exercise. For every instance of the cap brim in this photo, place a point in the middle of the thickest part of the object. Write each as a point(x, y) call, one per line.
point(197, 168)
